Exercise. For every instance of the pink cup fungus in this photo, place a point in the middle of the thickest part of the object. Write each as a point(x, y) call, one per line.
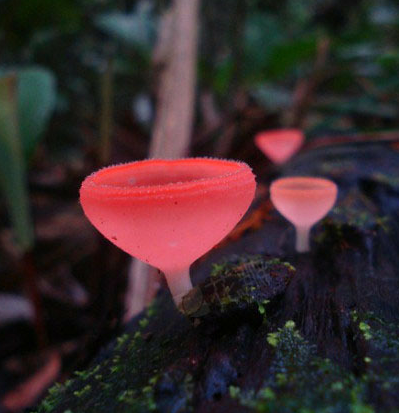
point(303, 201)
point(279, 145)
point(168, 213)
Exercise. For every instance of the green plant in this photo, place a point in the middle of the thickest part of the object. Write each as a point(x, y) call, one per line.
point(27, 99)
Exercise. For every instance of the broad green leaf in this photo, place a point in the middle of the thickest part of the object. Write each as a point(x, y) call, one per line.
point(12, 165)
point(262, 32)
point(290, 54)
point(36, 102)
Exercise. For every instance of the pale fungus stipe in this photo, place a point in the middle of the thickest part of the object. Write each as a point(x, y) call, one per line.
point(279, 145)
point(303, 201)
point(168, 213)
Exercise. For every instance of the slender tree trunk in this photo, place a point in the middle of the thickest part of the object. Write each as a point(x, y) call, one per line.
point(176, 55)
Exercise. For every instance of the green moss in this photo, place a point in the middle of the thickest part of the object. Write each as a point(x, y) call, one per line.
point(84, 375)
point(242, 282)
point(247, 280)
point(120, 341)
point(350, 215)
point(143, 322)
point(109, 380)
point(272, 339)
point(261, 307)
point(297, 380)
point(79, 393)
point(127, 397)
point(234, 392)
point(126, 382)
point(301, 381)
point(218, 269)
point(365, 329)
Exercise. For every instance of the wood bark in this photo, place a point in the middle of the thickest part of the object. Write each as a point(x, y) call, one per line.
point(261, 336)
point(174, 117)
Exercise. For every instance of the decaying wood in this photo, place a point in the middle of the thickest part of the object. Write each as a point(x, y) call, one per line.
point(274, 331)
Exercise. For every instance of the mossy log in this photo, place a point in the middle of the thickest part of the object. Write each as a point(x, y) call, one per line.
point(268, 330)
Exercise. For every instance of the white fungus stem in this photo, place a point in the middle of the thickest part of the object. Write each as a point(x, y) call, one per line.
point(179, 284)
point(302, 239)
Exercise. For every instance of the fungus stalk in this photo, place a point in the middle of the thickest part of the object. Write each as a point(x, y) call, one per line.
point(303, 201)
point(302, 239)
point(179, 283)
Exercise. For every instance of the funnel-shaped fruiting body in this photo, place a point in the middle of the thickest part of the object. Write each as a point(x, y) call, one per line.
point(303, 201)
point(168, 213)
point(279, 145)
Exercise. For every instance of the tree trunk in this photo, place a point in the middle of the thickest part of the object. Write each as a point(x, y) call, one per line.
point(176, 57)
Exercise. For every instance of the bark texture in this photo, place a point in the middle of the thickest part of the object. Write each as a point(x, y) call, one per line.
point(271, 330)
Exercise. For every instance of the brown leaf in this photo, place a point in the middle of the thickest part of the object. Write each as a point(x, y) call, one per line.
point(28, 392)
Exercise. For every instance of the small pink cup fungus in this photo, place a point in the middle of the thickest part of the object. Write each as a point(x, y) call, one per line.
point(303, 201)
point(279, 145)
point(168, 213)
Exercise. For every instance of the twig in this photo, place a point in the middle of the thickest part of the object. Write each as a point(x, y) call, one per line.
point(31, 288)
point(106, 112)
point(173, 123)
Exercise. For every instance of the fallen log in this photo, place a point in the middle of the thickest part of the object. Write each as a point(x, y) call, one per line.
point(267, 329)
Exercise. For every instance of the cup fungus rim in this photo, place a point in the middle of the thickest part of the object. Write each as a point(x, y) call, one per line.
point(240, 175)
point(309, 183)
point(279, 134)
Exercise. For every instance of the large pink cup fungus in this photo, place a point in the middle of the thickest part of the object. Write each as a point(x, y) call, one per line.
point(168, 213)
point(303, 201)
point(279, 145)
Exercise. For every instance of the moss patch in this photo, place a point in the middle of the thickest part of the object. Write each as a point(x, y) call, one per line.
point(300, 381)
point(126, 382)
point(239, 283)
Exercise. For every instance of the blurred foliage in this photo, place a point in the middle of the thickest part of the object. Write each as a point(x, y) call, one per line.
point(27, 99)
point(135, 28)
point(251, 44)
point(36, 102)
point(262, 47)
point(12, 165)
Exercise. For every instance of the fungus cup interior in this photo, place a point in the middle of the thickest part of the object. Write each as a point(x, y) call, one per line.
point(303, 201)
point(279, 145)
point(168, 213)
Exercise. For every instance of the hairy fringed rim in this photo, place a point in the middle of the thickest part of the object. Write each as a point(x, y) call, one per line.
point(159, 177)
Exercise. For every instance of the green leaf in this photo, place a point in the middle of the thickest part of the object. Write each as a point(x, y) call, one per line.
point(261, 33)
point(12, 164)
point(288, 55)
point(36, 102)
